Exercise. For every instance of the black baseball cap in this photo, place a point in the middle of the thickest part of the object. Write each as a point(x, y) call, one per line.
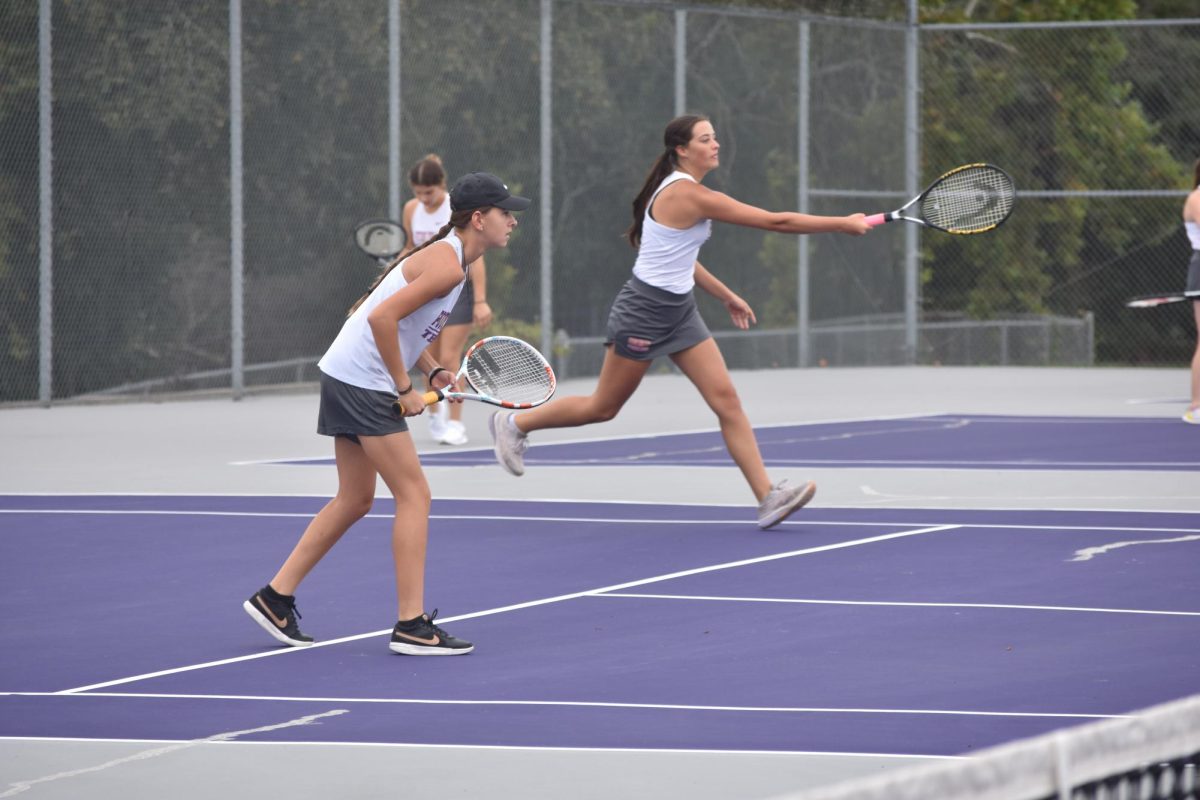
point(481, 189)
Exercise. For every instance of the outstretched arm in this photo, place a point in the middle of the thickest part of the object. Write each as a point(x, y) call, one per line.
point(700, 202)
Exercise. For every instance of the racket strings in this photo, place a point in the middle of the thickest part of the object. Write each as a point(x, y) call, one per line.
point(969, 200)
point(509, 370)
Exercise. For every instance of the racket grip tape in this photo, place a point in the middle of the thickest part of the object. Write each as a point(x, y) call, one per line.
point(876, 219)
point(433, 397)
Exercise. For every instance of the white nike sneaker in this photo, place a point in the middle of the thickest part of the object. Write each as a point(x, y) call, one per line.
point(455, 433)
point(438, 416)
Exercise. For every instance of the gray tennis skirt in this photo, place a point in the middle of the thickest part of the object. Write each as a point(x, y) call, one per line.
point(463, 312)
point(647, 322)
point(352, 411)
point(1193, 283)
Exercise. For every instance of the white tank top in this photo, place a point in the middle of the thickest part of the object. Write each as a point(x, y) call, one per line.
point(1193, 232)
point(667, 256)
point(425, 225)
point(354, 358)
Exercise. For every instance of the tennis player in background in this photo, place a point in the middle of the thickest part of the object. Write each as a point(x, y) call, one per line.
point(655, 313)
point(366, 398)
point(1191, 222)
point(423, 216)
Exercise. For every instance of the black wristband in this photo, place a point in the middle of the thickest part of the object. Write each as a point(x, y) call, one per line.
point(406, 391)
point(435, 371)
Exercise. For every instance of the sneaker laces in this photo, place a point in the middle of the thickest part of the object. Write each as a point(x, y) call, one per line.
point(290, 604)
point(441, 633)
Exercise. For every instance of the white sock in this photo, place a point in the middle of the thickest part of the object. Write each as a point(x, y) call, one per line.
point(512, 421)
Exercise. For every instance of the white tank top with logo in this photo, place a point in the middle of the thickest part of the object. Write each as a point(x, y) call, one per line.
point(667, 256)
point(354, 358)
point(426, 224)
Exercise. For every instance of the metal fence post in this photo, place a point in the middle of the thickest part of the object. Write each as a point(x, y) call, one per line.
point(394, 109)
point(236, 217)
point(804, 343)
point(912, 170)
point(544, 197)
point(45, 207)
point(680, 62)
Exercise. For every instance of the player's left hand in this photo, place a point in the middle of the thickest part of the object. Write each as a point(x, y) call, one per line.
point(740, 312)
point(481, 315)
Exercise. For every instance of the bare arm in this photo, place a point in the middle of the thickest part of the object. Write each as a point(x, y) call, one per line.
point(406, 222)
point(1191, 207)
point(739, 310)
point(686, 205)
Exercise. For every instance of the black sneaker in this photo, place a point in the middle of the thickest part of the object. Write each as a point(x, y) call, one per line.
point(420, 637)
point(277, 614)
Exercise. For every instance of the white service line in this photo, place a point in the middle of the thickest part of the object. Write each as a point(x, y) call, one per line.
point(791, 523)
point(574, 704)
point(803, 601)
point(519, 606)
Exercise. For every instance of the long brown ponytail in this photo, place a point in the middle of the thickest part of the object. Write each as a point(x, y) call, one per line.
point(1196, 179)
point(458, 221)
point(677, 134)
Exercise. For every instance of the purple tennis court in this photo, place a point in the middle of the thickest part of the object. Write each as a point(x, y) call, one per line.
point(929, 442)
point(602, 625)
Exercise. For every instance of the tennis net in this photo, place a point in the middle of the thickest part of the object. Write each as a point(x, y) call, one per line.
point(1149, 755)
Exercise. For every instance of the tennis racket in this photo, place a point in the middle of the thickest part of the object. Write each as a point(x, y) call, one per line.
point(502, 371)
point(1166, 298)
point(381, 239)
point(972, 198)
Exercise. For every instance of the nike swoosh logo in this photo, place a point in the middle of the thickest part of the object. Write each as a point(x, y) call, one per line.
point(279, 623)
point(431, 641)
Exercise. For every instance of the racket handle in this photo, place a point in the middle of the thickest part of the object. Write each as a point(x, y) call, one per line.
point(876, 219)
point(432, 397)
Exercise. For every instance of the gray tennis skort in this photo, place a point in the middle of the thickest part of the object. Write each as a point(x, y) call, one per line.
point(352, 411)
point(647, 322)
point(1193, 280)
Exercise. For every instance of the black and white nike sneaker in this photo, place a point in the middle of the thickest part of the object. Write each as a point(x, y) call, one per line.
point(420, 637)
point(277, 614)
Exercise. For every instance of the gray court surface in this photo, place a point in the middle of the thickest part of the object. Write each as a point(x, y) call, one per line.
point(214, 445)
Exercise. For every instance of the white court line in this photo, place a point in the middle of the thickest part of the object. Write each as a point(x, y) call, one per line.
point(932, 464)
point(18, 787)
point(805, 601)
point(590, 439)
point(641, 520)
point(523, 748)
point(519, 606)
point(476, 497)
point(574, 704)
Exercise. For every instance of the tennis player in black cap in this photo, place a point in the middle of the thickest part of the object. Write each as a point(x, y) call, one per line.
point(364, 380)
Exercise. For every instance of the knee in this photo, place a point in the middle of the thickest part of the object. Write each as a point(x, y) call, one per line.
point(604, 412)
point(356, 505)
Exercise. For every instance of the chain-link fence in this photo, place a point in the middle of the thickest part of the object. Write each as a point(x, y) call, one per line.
point(180, 179)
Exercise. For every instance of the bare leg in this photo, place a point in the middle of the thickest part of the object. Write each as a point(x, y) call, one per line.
point(1196, 359)
point(395, 458)
point(356, 492)
point(448, 350)
point(619, 377)
point(704, 366)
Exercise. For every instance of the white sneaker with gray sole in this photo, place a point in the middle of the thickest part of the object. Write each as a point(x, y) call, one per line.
point(509, 443)
point(782, 501)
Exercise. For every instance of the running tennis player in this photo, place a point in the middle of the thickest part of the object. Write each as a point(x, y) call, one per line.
point(655, 313)
point(365, 372)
